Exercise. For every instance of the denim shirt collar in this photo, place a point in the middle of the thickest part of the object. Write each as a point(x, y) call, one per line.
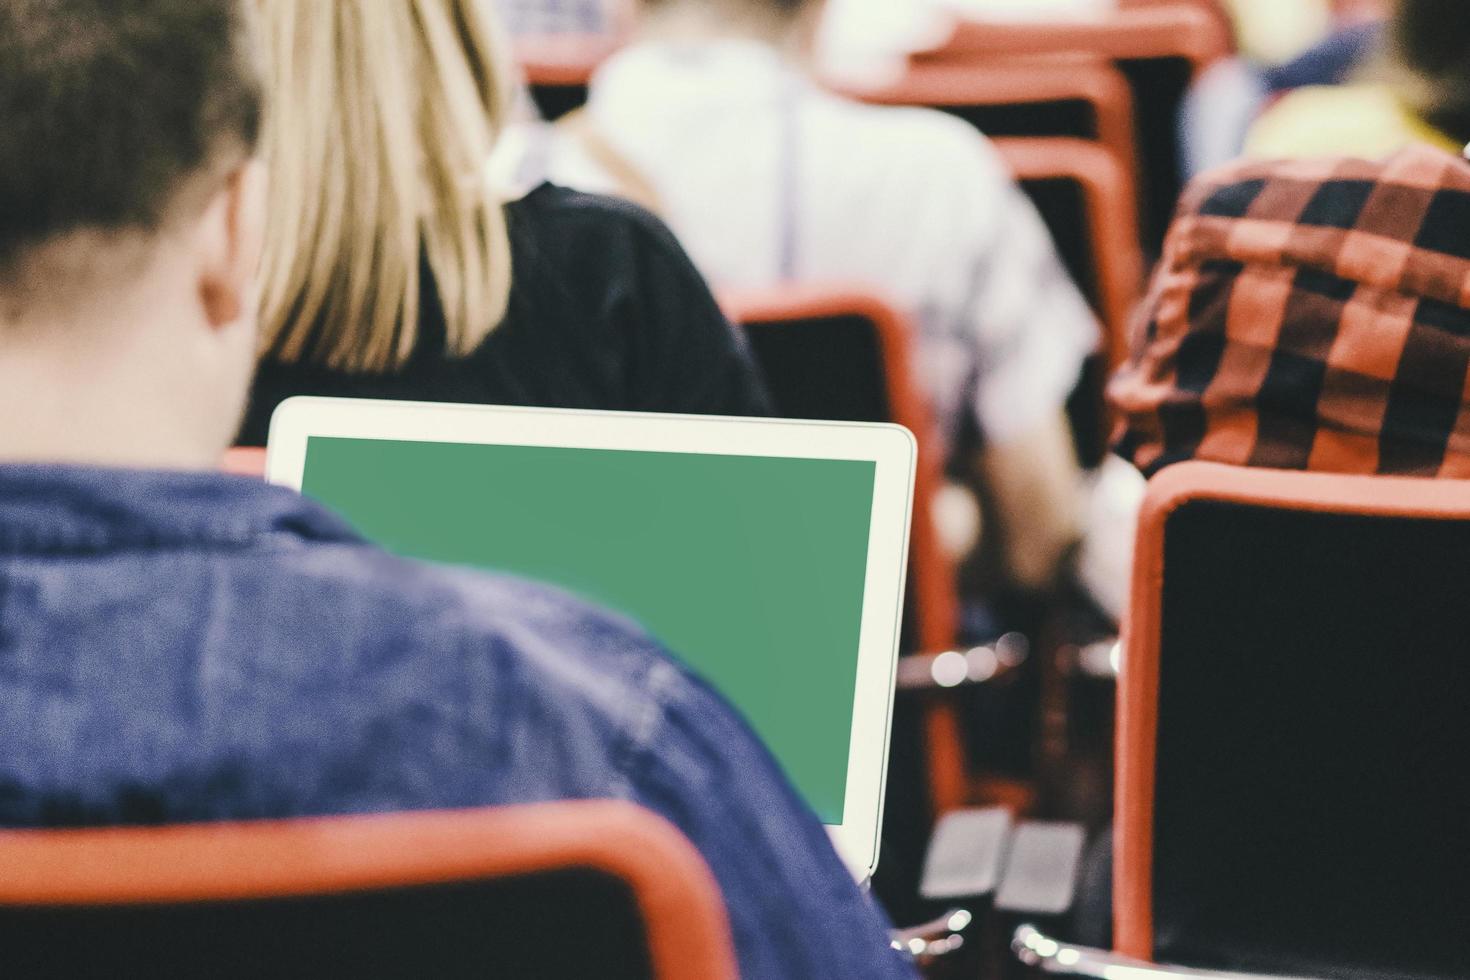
point(62, 509)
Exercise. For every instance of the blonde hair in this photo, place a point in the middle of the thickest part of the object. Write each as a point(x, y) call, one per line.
point(381, 118)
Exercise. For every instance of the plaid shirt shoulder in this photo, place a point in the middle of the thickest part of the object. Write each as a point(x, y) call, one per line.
point(1309, 314)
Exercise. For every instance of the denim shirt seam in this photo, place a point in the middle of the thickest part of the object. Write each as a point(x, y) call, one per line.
point(69, 544)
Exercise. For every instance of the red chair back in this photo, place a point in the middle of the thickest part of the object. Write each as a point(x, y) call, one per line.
point(1291, 726)
point(1135, 32)
point(387, 891)
point(862, 346)
point(1160, 46)
point(558, 68)
point(1114, 261)
point(1024, 96)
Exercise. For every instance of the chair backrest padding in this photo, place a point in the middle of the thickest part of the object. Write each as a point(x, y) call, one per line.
point(1309, 646)
point(565, 890)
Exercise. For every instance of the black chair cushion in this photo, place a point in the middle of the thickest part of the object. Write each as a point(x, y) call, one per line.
point(823, 368)
point(1313, 796)
point(567, 925)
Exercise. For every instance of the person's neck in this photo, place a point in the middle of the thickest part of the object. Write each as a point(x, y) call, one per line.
point(94, 403)
point(694, 23)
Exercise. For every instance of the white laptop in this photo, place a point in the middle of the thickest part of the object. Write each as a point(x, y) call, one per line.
point(769, 555)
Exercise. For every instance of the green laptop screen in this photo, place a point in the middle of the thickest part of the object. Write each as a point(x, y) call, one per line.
point(749, 568)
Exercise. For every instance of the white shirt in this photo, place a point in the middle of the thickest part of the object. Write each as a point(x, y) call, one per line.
point(869, 41)
point(766, 178)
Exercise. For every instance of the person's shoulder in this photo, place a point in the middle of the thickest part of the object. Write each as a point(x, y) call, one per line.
point(1364, 120)
point(591, 666)
point(558, 220)
point(571, 252)
point(912, 132)
point(436, 613)
point(1325, 190)
point(933, 156)
point(1245, 210)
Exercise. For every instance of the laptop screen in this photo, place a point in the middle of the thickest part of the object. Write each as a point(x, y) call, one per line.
point(750, 568)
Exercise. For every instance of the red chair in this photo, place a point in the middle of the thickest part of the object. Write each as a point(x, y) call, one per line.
point(1135, 32)
point(1292, 731)
point(1114, 259)
point(559, 67)
point(843, 353)
point(1160, 46)
point(549, 890)
point(1215, 10)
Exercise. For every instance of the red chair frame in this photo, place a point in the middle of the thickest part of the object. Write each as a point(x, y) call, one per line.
point(1066, 77)
point(563, 59)
point(687, 930)
point(1111, 220)
point(1138, 680)
point(1216, 10)
point(1144, 31)
point(931, 576)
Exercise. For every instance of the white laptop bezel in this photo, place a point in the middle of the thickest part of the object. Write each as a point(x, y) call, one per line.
point(890, 447)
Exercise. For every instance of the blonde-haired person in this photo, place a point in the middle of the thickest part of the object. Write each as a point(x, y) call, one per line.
point(392, 269)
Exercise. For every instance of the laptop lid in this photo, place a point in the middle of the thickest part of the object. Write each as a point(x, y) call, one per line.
point(767, 554)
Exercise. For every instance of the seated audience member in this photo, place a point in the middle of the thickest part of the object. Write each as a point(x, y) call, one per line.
point(393, 271)
point(180, 645)
point(1227, 99)
point(1309, 315)
point(1304, 315)
point(711, 117)
point(1269, 32)
point(1417, 90)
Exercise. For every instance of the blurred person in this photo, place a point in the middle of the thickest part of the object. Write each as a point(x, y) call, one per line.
point(863, 43)
point(1229, 96)
point(178, 645)
point(1305, 314)
point(710, 117)
point(1417, 90)
point(395, 270)
point(1309, 314)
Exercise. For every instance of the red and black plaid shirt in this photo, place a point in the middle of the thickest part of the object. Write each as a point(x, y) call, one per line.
point(1309, 315)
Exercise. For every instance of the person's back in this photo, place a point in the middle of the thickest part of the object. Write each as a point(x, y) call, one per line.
point(766, 178)
point(1308, 315)
point(180, 645)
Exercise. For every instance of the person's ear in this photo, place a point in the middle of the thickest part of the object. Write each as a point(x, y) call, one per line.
point(233, 230)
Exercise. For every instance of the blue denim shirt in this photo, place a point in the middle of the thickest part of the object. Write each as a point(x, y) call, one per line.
point(184, 647)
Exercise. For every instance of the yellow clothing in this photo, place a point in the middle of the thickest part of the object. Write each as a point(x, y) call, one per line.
point(1366, 121)
point(1273, 32)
